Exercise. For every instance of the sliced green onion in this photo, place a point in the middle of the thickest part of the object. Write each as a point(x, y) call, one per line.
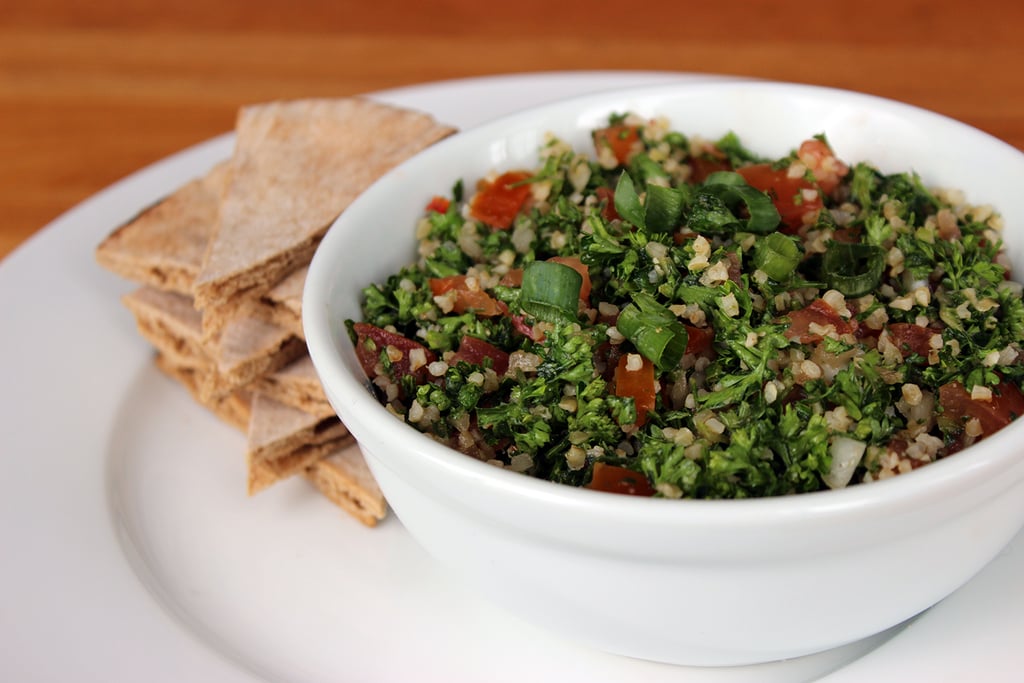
point(710, 215)
point(730, 190)
point(627, 201)
point(654, 331)
point(550, 291)
point(660, 211)
point(853, 269)
point(777, 255)
point(729, 178)
point(663, 208)
point(646, 168)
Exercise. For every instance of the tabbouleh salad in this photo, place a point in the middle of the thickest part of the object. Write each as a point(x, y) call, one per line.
point(665, 315)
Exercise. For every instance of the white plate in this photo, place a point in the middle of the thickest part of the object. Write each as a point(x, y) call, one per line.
point(130, 551)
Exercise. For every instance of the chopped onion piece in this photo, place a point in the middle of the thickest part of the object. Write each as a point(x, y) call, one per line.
point(846, 454)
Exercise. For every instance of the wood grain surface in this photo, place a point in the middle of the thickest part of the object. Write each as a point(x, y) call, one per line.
point(91, 91)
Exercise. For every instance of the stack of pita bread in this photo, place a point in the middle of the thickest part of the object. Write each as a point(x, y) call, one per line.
point(220, 265)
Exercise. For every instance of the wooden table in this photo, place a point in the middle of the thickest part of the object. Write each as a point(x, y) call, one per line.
point(90, 92)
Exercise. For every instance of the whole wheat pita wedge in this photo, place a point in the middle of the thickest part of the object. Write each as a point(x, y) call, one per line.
point(297, 385)
point(296, 166)
point(234, 409)
point(282, 305)
point(345, 480)
point(246, 349)
point(276, 429)
point(249, 348)
point(263, 474)
point(168, 321)
point(163, 246)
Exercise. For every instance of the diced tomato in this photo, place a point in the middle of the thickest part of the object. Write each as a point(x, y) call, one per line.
point(443, 285)
point(820, 313)
point(372, 340)
point(698, 339)
point(439, 204)
point(795, 198)
point(607, 197)
point(475, 350)
point(576, 264)
point(615, 479)
point(497, 203)
point(911, 339)
point(466, 298)
point(513, 278)
point(637, 384)
point(957, 407)
point(477, 301)
point(828, 171)
point(621, 139)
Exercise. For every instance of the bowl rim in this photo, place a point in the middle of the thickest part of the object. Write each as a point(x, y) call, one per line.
point(941, 479)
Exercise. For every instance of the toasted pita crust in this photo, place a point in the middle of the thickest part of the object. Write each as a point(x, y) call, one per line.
point(296, 166)
point(250, 348)
point(247, 348)
point(345, 480)
point(168, 321)
point(282, 305)
point(276, 429)
point(266, 473)
point(297, 385)
point(164, 245)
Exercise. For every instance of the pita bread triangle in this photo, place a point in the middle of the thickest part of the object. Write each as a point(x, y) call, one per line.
point(345, 479)
point(282, 305)
point(277, 429)
point(163, 246)
point(222, 261)
point(297, 165)
point(298, 385)
point(246, 350)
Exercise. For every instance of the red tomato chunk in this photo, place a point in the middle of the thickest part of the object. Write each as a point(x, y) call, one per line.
point(637, 384)
point(466, 298)
point(818, 312)
point(499, 202)
point(371, 341)
point(622, 140)
point(476, 351)
point(957, 406)
point(615, 479)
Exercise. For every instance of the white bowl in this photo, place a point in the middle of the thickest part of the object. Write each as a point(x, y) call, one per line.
point(691, 582)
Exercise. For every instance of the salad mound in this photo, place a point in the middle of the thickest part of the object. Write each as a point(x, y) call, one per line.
point(665, 315)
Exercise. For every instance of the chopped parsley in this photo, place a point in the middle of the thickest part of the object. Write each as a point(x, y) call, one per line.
point(721, 324)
